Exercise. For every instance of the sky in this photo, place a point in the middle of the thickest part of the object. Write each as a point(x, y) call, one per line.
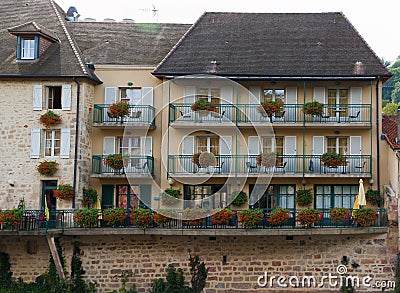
point(376, 21)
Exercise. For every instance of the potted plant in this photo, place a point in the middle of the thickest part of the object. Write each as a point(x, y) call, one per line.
point(365, 216)
point(207, 159)
point(163, 217)
point(114, 216)
point(11, 219)
point(141, 217)
point(313, 108)
point(47, 168)
point(194, 216)
point(333, 160)
point(221, 216)
point(250, 218)
point(86, 218)
point(203, 106)
point(269, 108)
point(89, 197)
point(170, 196)
point(304, 197)
point(309, 216)
point(278, 216)
point(64, 191)
point(50, 119)
point(115, 161)
point(339, 215)
point(266, 159)
point(196, 159)
point(118, 109)
point(373, 197)
point(239, 198)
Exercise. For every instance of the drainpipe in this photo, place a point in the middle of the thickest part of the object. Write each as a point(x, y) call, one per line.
point(378, 169)
point(78, 90)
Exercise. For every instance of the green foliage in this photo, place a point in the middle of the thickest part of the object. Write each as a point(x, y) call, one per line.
point(250, 218)
point(373, 197)
point(5, 272)
point(390, 109)
point(77, 272)
point(333, 160)
point(89, 196)
point(125, 277)
point(304, 197)
point(385, 102)
point(199, 273)
point(240, 198)
point(86, 218)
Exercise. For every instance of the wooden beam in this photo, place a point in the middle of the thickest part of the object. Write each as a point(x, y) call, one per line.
point(56, 257)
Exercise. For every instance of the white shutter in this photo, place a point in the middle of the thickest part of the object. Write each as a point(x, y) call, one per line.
point(290, 145)
point(37, 97)
point(253, 145)
point(189, 94)
point(356, 99)
point(318, 145)
point(226, 95)
point(146, 145)
point(147, 96)
point(225, 145)
point(319, 94)
point(35, 143)
point(65, 143)
point(188, 145)
point(110, 95)
point(66, 97)
point(108, 145)
point(355, 145)
point(291, 99)
point(254, 95)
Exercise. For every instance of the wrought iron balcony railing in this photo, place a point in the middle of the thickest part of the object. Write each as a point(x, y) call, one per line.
point(138, 115)
point(140, 165)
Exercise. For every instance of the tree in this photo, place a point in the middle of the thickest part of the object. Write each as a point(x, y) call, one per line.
point(390, 108)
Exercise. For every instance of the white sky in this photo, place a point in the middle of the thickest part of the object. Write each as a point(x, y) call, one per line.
point(376, 21)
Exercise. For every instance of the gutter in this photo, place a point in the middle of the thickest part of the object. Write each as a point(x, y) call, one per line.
point(378, 169)
point(78, 91)
point(98, 81)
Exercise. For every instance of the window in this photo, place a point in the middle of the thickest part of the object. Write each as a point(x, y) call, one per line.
point(129, 145)
point(272, 196)
point(132, 96)
point(273, 145)
point(274, 94)
point(28, 48)
point(337, 145)
point(337, 97)
point(330, 196)
point(128, 196)
point(212, 95)
point(53, 97)
point(52, 143)
point(208, 144)
point(206, 196)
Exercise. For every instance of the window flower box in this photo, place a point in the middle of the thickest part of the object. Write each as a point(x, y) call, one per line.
point(313, 108)
point(267, 160)
point(221, 216)
point(309, 217)
point(141, 218)
point(203, 107)
point(269, 108)
point(365, 216)
point(115, 161)
point(278, 216)
point(86, 218)
point(47, 168)
point(114, 216)
point(333, 160)
point(338, 215)
point(50, 118)
point(250, 218)
point(64, 191)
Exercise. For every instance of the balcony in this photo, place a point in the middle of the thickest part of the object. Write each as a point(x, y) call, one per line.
point(136, 166)
point(286, 166)
point(141, 116)
point(60, 222)
point(181, 116)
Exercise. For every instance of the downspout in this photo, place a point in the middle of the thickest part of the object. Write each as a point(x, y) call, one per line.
point(78, 91)
point(378, 170)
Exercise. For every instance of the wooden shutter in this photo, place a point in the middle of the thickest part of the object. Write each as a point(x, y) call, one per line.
point(35, 143)
point(145, 195)
point(107, 196)
point(108, 145)
point(253, 145)
point(65, 143)
point(146, 145)
point(254, 95)
point(110, 95)
point(318, 145)
point(147, 96)
point(225, 145)
point(290, 145)
point(189, 94)
point(319, 94)
point(188, 145)
point(355, 145)
point(66, 97)
point(37, 97)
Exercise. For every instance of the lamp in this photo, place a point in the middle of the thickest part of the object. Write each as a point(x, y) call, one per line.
point(130, 83)
point(170, 182)
point(371, 181)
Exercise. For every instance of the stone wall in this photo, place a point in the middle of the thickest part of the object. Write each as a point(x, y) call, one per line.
point(247, 258)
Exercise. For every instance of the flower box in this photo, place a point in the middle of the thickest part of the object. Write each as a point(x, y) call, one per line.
point(313, 108)
point(365, 217)
point(194, 216)
point(11, 219)
point(338, 215)
point(333, 160)
point(141, 218)
point(118, 109)
point(278, 216)
point(267, 160)
point(203, 106)
point(64, 191)
point(309, 217)
point(47, 168)
point(250, 218)
point(86, 218)
point(49, 119)
point(115, 161)
point(114, 216)
point(269, 108)
point(221, 216)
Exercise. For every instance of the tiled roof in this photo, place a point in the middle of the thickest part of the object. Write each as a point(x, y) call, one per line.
point(142, 44)
point(389, 128)
point(61, 59)
point(32, 27)
point(273, 44)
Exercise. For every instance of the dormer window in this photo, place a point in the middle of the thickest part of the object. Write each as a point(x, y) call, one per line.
point(28, 48)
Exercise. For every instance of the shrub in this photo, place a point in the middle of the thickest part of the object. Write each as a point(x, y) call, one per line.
point(114, 216)
point(86, 218)
point(250, 218)
point(50, 119)
point(278, 216)
point(141, 217)
point(47, 168)
point(240, 198)
point(304, 197)
point(64, 191)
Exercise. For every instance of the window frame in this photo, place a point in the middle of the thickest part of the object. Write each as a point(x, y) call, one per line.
point(277, 195)
point(21, 48)
point(52, 141)
point(50, 91)
point(338, 148)
point(333, 195)
point(274, 96)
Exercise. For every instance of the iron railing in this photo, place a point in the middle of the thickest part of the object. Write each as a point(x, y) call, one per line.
point(132, 165)
point(138, 115)
point(182, 113)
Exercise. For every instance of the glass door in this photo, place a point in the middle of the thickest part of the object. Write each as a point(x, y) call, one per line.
point(48, 186)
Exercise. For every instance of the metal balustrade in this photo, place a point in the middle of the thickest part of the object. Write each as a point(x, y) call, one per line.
point(138, 115)
point(133, 165)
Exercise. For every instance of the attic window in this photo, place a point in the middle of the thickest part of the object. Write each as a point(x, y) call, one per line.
point(28, 47)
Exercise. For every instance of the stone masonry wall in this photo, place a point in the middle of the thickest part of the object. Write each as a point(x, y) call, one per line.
point(247, 258)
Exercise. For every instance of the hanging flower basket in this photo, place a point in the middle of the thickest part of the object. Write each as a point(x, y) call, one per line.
point(115, 161)
point(170, 196)
point(49, 119)
point(269, 108)
point(240, 198)
point(333, 160)
point(313, 108)
point(304, 197)
point(278, 216)
point(89, 197)
point(266, 159)
point(365, 216)
point(47, 168)
point(339, 215)
point(373, 197)
point(222, 216)
point(308, 217)
point(118, 109)
point(203, 105)
point(64, 191)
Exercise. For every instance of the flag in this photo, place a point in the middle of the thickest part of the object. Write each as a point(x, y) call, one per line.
point(46, 209)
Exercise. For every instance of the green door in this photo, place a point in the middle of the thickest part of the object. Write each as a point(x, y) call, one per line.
point(47, 192)
point(107, 196)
